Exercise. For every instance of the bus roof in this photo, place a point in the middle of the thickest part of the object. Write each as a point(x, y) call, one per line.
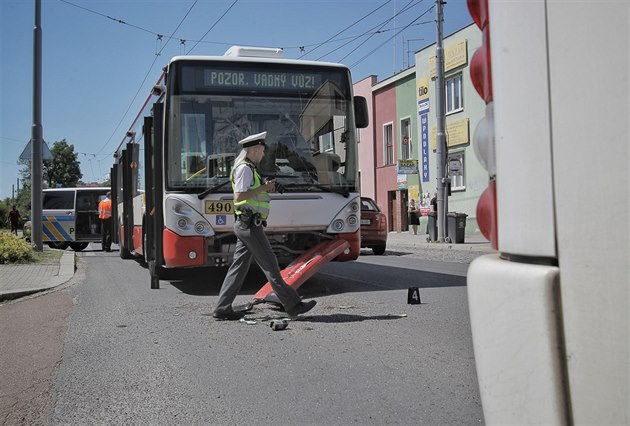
point(261, 60)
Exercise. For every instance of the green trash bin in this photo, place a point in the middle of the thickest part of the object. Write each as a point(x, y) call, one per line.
point(456, 227)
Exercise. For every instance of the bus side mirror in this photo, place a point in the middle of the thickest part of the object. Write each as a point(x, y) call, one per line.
point(361, 112)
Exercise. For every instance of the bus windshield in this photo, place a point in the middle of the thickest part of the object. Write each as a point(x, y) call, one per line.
point(307, 114)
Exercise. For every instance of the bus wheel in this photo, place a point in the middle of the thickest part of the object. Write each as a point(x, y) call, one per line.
point(379, 250)
point(78, 246)
point(61, 245)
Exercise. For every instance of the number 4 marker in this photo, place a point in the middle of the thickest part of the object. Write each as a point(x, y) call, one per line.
point(413, 297)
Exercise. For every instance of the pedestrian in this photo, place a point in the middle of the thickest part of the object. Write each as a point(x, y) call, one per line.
point(251, 207)
point(105, 215)
point(434, 202)
point(433, 213)
point(13, 218)
point(413, 216)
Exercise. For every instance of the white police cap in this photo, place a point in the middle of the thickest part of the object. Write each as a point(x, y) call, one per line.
point(257, 139)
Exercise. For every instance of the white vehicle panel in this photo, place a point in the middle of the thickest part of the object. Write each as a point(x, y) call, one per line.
point(514, 313)
point(522, 133)
point(590, 143)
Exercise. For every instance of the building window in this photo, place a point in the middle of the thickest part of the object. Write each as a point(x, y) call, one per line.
point(456, 163)
point(388, 144)
point(405, 133)
point(327, 142)
point(454, 99)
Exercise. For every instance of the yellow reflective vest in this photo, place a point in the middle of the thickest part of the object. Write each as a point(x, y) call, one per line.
point(259, 203)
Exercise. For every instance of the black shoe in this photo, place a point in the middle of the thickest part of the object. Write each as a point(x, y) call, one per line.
point(246, 307)
point(302, 308)
point(228, 315)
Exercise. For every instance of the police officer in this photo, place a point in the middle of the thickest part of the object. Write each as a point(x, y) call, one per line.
point(251, 205)
point(105, 215)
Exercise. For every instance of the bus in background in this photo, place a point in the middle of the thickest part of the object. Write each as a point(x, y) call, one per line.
point(189, 138)
point(549, 310)
point(70, 217)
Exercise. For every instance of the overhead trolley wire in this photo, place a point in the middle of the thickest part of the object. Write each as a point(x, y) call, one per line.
point(213, 25)
point(120, 21)
point(144, 80)
point(159, 36)
point(382, 44)
point(163, 74)
point(347, 28)
point(404, 9)
point(371, 30)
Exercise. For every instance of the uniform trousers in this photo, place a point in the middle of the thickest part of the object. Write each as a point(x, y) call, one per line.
point(253, 244)
point(106, 234)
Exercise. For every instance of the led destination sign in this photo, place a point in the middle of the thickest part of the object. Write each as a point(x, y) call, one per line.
point(217, 79)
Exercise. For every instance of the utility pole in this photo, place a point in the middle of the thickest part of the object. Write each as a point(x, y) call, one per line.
point(37, 134)
point(440, 137)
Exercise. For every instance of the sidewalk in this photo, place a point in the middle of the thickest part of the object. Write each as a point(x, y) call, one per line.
point(406, 239)
point(17, 280)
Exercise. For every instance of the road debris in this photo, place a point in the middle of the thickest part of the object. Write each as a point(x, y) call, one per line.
point(279, 324)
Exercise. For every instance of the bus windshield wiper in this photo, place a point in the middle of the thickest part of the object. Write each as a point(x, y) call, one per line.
point(212, 189)
point(343, 191)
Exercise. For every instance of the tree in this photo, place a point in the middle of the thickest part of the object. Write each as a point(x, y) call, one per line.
point(64, 169)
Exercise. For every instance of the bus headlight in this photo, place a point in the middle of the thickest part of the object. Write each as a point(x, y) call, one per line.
point(200, 228)
point(338, 225)
point(184, 219)
point(346, 220)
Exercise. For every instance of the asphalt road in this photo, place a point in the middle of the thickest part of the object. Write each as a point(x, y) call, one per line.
point(132, 355)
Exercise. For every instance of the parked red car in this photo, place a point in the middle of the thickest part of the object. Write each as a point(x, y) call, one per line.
point(373, 226)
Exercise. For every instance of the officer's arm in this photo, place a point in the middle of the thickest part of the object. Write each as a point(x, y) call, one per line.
point(251, 193)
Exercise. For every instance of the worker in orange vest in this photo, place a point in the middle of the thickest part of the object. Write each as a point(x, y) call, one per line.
point(105, 215)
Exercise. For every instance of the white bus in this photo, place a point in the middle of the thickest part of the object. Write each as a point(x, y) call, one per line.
point(190, 134)
point(549, 311)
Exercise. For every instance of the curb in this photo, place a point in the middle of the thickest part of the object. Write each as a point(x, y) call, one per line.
point(67, 266)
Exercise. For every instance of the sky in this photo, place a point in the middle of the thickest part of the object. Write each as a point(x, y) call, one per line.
point(100, 58)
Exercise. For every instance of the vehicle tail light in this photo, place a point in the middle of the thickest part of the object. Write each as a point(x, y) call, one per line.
point(483, 138)
point(383, 221)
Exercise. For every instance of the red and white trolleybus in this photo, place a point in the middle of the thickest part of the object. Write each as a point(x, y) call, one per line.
point(173, 195)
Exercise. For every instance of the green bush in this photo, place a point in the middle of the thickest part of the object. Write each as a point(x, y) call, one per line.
point(14, 249)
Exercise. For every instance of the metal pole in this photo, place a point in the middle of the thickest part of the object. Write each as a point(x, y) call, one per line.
point(440, 134)
point(37, 134)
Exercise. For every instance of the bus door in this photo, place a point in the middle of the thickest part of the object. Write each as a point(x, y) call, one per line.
point(154, 221)
point(128, 170)
point(58, 218)
point(87, 223)
point(113, 173)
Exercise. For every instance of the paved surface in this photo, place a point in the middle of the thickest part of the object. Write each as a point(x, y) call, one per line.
point(17, 280)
